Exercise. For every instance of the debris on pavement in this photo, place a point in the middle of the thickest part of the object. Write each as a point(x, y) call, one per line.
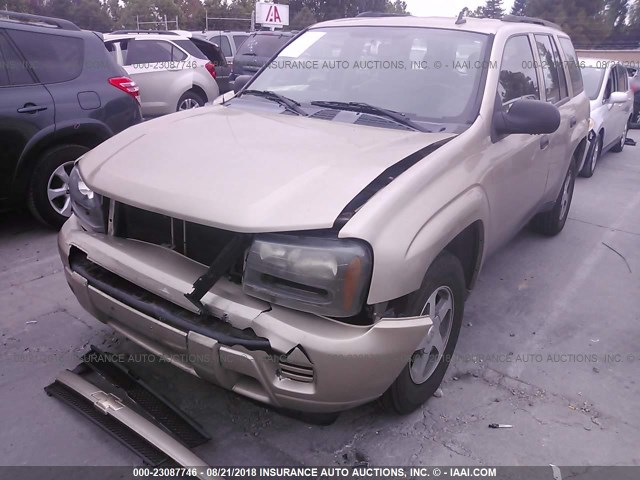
point(30, 322)
point(619, 254)
point(499, 425)
point(438, 393)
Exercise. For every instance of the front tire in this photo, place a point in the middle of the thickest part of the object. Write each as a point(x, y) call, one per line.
point(442, 297)
point(552, 222)
point(590, 165)
point(48, 197)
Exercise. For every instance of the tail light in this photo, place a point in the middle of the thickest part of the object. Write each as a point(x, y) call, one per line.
point(211, 69)
point(126, 85)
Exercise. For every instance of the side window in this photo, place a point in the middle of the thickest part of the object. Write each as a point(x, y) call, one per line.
point(562, 78)
point(13, 70)
point(225, 46)
point(611, 84)
point(53, 58)
point(572, 62)
point(517, 72)
point(553, 81)
point(623, 79)
point(152, 51)
point(239, 40)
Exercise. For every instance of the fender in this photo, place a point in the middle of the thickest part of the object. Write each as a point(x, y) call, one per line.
point(80, 132)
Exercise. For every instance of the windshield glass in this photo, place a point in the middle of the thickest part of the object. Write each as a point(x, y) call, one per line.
point(428, 74)
point(263, 45)
point(592, 78)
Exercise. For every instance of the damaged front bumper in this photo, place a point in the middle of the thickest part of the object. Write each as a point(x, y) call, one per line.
point(272, 354)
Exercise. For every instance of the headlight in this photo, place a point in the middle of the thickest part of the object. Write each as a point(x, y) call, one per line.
point(86, 204)
point(325, 276)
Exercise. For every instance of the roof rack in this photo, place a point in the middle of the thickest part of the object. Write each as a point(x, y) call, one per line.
point(150, 32)
point(382, 14)
point(39, 19)
point(534, 20)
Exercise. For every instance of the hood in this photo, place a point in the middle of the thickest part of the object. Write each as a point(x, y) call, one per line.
point(246, 171)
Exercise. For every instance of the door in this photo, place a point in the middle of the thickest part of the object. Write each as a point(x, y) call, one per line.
point(609, 121)
point(153, 64)
point(556, 91)
point(622, 110)
point(215, 56)
point(517, 176)
point(26, 108)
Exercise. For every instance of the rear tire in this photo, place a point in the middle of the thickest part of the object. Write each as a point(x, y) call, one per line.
point(189, 100)
point(552, 222)
point(415, 385)
point(48, 196)
point(623, 139)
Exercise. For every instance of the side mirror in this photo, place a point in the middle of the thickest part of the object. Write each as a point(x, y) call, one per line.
point(618, 97)
point(531, 117)
point(240, 82)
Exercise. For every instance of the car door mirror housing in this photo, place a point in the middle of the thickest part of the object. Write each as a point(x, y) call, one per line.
point(240, 82)
point(618, 97)
point(525, 116)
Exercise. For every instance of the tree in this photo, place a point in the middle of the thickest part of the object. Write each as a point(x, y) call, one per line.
point(303, 19)
point(583, 20)
point(493, 9)
point(518, 7)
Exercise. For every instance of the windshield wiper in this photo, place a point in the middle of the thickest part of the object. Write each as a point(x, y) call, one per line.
point(287, 103)
point(361, 107)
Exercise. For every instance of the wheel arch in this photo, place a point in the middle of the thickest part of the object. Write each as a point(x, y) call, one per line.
point(88, 135)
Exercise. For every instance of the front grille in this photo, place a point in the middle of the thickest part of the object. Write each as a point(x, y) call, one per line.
point(298, 373)
point(194, 241)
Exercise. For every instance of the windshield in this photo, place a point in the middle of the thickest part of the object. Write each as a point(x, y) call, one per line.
point(428, 74)
point(263, 45)
point(592, 78)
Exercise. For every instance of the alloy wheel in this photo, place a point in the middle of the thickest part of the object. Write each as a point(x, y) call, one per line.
point(188, 104)
point(426, 358)
point(58, 189)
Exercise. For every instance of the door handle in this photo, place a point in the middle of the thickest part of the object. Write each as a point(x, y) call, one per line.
point(31, 108)
point(572, 122)
point(544, 142)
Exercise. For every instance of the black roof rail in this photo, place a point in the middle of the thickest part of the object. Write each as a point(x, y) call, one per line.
point(49, 21)
point(382, 14)
point(154, 32)
point(534, 20)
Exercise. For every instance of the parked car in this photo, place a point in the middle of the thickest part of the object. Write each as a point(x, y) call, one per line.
point(635, 88)
point(229, 41)
point(326, 263)
point(607, 85)
point(172, 73)
point(215, 55)
point(60, 96)
point(258, 50)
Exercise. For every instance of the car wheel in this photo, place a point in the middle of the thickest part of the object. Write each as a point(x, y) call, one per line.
point(590, 165)
point(441, 296)
point(552, 222)
point(48, 196)
point(623, 139)
point(189, 100)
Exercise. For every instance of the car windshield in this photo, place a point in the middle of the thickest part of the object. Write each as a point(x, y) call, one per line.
point(263, 45)
point(427, 74)
point(592, 78)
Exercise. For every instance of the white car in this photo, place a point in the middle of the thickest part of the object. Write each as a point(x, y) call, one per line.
point(172, 73)
point(606, 83)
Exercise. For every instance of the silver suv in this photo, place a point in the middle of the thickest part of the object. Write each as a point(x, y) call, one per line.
point(376, 163)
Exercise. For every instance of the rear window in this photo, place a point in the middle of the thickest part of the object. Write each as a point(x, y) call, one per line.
point(152, 51)
point(190, 48)
point(263, 45)
point(239, 40)
point(572, 63)
point(53, 58)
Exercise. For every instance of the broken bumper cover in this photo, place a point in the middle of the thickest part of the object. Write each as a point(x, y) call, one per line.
point(275, 355)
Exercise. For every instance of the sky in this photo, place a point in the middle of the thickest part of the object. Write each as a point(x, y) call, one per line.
point(446, 8)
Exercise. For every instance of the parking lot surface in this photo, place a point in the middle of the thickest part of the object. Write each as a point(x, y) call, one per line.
point(550, 345)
